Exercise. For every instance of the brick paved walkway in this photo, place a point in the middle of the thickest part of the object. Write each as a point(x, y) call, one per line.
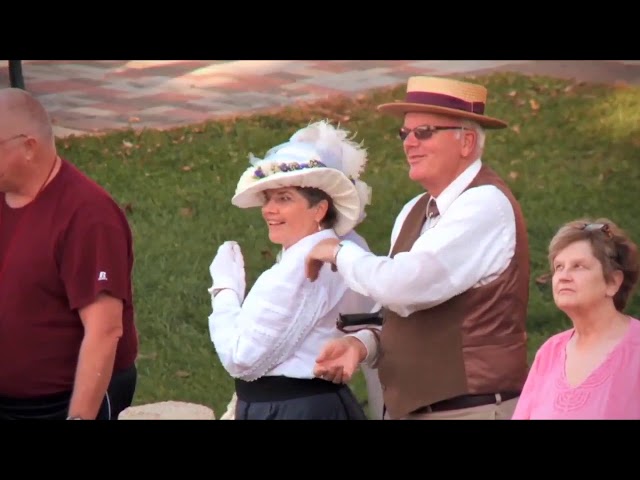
point(87, 97)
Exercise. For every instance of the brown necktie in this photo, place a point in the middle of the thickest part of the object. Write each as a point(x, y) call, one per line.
point(432, 209)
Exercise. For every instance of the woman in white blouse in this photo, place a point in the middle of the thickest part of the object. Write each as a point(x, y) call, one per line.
point(269, 341)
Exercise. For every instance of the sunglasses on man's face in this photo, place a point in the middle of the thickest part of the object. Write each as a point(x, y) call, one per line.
point(423, 132)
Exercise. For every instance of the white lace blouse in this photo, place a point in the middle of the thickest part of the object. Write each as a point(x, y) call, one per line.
point(284, 320)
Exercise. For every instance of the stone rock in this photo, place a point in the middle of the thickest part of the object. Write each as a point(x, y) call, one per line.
point(170, 410)
point(230, 414)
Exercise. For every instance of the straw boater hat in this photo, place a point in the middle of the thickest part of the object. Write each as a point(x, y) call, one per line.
point(319, 156)
point(446, 97)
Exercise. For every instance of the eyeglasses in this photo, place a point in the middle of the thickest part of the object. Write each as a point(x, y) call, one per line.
point(603, 227)
point(423, 132)
point(2, 142)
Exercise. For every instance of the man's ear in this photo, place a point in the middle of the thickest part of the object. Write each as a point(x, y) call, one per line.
point(30, 146)
point(469, 141)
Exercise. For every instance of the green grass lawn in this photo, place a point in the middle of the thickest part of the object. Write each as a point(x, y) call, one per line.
point(571, 151)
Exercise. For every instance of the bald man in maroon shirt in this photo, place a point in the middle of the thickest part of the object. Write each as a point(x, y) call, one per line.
point(68, 341)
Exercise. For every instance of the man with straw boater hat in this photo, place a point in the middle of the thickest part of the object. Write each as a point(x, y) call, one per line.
point(454, 288)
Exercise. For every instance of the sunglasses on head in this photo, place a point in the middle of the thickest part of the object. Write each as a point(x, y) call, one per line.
point(423, 132)
point(618, 251)
point(603, 227)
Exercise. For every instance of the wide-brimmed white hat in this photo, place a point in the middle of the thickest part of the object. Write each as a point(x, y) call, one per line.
point(319, 156)
point(364, 191)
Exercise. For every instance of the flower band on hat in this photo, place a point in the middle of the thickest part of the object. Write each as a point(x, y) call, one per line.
point(264, 170)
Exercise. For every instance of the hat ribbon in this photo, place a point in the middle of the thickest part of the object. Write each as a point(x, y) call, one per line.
point(447, 101)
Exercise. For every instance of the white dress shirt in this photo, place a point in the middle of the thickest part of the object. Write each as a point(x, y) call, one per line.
point(468, 245)
point(285, 319)
point(358, 303)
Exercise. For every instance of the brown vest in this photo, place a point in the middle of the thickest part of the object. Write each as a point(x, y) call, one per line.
point(473, 343)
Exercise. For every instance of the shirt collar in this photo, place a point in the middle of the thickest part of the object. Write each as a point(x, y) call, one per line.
point(455, 188)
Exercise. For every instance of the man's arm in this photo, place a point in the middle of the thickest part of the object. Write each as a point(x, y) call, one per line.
point(96, 263)
point(102, 322)
point(370, 340)
point(473, 241)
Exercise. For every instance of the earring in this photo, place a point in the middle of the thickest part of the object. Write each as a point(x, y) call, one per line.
point(319, 227)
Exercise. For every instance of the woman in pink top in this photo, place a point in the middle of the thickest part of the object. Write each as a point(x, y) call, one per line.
point(591, 371)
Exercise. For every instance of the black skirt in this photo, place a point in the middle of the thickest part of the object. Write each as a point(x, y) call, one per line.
point(285, 398)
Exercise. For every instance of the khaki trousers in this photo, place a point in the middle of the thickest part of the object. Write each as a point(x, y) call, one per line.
point(493, 411)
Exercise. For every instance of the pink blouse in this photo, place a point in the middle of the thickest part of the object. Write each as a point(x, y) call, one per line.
point(610, 392)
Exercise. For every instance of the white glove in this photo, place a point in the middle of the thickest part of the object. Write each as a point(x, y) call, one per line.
point(227, 270)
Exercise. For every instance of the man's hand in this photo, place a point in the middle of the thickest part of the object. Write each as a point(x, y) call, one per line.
point(323, 251)
point(339, 359)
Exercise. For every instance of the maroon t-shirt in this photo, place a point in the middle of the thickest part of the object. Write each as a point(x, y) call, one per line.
point(56, 255)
